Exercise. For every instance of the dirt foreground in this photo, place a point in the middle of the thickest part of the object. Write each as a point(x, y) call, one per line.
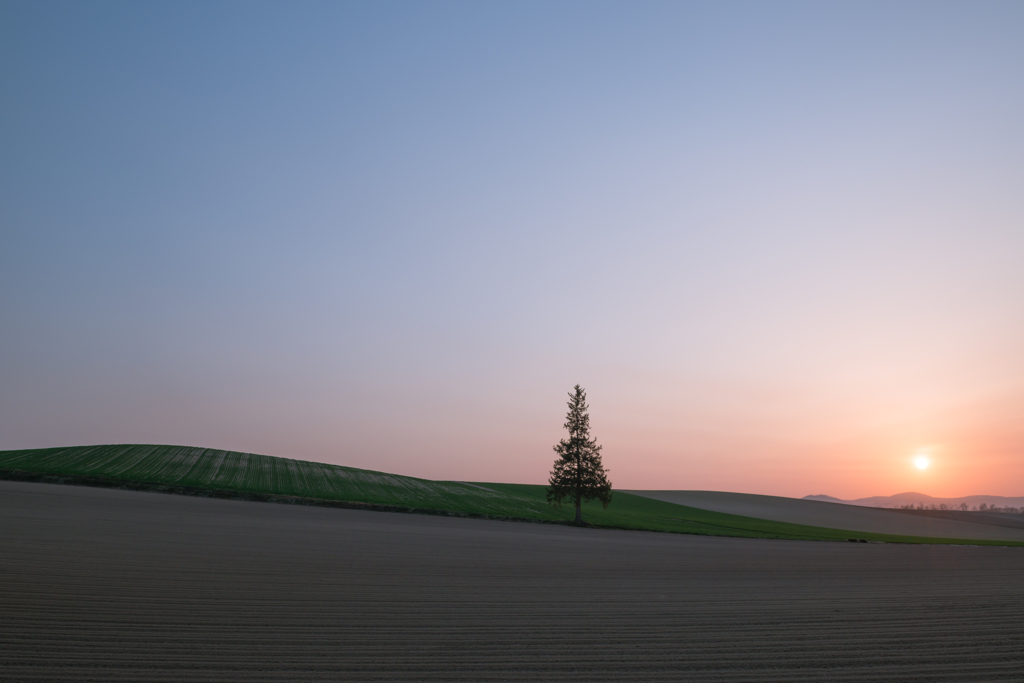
point(106, 585)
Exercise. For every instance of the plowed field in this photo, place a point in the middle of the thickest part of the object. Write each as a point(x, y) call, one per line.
point(108, 585)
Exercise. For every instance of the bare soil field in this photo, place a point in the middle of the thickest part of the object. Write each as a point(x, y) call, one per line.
point(994, 518)
point(108, 585)
point(840, 515)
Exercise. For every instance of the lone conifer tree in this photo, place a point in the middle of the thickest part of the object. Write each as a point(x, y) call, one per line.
point(578, 473)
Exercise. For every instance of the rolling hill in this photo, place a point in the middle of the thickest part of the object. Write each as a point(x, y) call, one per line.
point(912, 498)
point(230, 474)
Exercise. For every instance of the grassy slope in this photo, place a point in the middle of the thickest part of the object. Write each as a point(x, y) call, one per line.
point(233, 471)
point(246, 472)
point(628, 511)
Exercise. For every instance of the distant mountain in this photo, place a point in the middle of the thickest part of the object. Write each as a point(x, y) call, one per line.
point(823, 497)
point(912, 498)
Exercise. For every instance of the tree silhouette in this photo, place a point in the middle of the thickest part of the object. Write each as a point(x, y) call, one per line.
point(578, 473)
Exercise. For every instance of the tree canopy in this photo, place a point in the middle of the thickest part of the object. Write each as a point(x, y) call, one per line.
point(578, 474)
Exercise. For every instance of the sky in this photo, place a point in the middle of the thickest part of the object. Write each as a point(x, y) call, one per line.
point(781, 245)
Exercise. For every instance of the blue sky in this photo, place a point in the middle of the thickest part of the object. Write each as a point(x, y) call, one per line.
point(779, 243)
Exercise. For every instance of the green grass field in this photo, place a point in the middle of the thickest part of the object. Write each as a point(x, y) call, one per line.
point(249, 473)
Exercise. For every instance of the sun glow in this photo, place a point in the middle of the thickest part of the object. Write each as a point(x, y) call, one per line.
point(922, 461)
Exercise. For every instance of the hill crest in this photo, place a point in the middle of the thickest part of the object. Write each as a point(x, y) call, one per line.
point(914, 498)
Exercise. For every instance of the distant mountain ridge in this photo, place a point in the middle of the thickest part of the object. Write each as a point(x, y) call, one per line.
point(912, 498)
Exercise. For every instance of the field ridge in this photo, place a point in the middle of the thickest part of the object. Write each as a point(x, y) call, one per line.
point(249, 476)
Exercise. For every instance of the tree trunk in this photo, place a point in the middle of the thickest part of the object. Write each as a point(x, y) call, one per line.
point(579, 485)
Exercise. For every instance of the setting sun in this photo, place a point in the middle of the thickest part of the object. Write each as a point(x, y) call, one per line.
point(921, 462)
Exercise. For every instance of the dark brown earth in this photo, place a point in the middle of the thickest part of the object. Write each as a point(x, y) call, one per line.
point(106, 585)
point(1002, 519)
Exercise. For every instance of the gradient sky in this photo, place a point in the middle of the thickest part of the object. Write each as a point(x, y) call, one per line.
point(780, 244)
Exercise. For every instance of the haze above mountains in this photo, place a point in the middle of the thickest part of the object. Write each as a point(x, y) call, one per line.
point(911, 498)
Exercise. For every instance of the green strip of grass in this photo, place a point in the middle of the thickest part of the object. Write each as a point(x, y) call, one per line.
point(252, 473)
point(248, 473)
point(629, 511)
